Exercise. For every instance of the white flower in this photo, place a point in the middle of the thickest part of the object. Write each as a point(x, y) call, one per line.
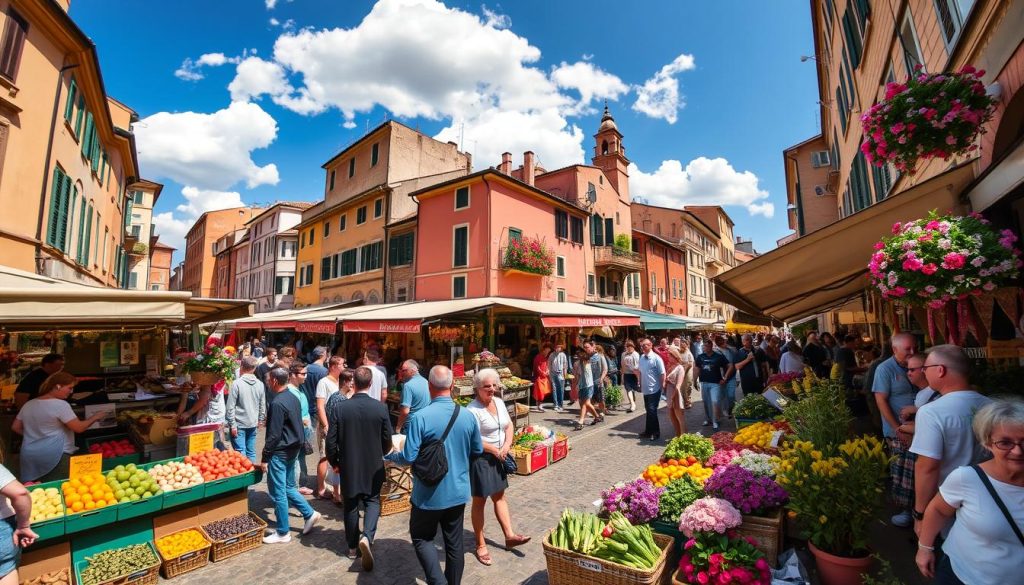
point(945, 244)
point(958, 278)
point(977, 262)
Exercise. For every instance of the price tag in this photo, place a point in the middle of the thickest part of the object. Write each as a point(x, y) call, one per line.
point(589, 565)
point(200, 442)
point(82, 465)
point(777, 438)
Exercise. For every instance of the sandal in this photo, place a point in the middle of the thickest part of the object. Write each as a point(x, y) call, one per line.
point(485, 559)
point(516, 540)
point(578, 426)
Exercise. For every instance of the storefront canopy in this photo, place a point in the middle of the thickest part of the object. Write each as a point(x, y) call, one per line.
point(827, 268)
point(286, 319)
point(650, 320)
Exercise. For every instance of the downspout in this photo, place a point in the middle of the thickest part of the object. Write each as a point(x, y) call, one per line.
point(384, 296)
point(46, 164)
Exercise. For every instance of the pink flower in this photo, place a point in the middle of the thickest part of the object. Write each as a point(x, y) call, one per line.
point(929, 269)
point(896, 227)
point(761, 564)
point(703, 578)
point(689, 543)
point(953, 261)
point(912, 264)
point(716, 558)
point(951, 140)
point(725, 578)
point(879, 246)
point(932, 225)
point(898, 291)
point(989, 286)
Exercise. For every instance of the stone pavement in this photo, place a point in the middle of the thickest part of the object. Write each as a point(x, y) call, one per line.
point(599, 456)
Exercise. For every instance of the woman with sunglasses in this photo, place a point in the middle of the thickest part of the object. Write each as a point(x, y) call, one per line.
point(985, 544)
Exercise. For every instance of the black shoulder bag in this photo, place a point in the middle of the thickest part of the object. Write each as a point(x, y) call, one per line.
point(431, 464)
point(999, 502)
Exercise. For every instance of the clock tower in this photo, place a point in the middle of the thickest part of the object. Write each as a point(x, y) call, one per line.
point(610, 154)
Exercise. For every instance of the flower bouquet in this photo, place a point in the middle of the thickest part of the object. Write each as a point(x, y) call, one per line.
point(636, 500)
point(689, 444)
point(210, 366)
point(749, 493)
point(722, 457)
point(722, 559)
point(709, 515)
point(932, 115)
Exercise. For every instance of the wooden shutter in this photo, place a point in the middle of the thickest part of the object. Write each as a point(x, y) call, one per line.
point(408, 247)
point(51, 228)
point(461, 255)
point(69, 107)
point(80, 246)
point(393, 246)
point(88, 237)
point(80, 118)
point(87, 135)
point(325, 268)
point(14, 42)
point(609, 231)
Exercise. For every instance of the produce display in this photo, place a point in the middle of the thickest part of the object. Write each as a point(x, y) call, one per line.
point(175, 475)
point(637, 499)
point(218, 464)
point(46, 504)
point(130, 484)
point(111, 449)
point(527, 440)
point(514, 382)
point(230, 527)
point(616, 541)
point(759, 434)
point(661, 474)
point(181, 543)
point(87, 493)
point(61, 577)
point(755, 407)
point(689, 444)
point(112, 564)
point(677, 496)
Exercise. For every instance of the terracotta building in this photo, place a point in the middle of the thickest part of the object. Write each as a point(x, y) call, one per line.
point(67, 153)
point(198, 275)
point(663, 285)
point(273, 247)
point(811, 201)
point(224, 268)
point(160, 266)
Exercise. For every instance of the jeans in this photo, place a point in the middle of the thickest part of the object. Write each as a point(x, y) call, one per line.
point(729, 391)
point(944, 574)
point(371, 504)
point(557, 390)
point(283, 490)
point(651, 403)
point(613, 377)
point(422, 529)
point(710, 394)
point(245, 443)
point(300, 468)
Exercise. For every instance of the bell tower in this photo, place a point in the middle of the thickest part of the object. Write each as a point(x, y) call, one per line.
point(610, 154)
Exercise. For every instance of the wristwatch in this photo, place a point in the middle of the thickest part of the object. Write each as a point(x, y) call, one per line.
point(918, 515)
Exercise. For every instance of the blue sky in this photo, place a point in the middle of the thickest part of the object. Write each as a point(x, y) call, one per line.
point(241, 101)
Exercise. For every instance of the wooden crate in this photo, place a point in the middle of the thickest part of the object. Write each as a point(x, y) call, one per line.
point(396, 493)
point(532, 462)
point(767, 531)
point(566, 567)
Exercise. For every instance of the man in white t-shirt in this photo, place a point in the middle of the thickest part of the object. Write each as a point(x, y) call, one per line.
point(327, 386)
point(379, 385)
point(943, 437)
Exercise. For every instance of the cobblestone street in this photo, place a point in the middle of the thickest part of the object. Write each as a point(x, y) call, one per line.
point(600, 455)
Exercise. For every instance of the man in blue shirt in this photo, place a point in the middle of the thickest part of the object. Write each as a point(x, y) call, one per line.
point(714, 369)
point(652, 379)
point(893, 392)
point(443, 504)
point(415, 394)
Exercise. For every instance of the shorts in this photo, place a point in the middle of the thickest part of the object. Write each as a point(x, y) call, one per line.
point(631, 382)
point(10, 554)
point(321, 441)
point(586, 392)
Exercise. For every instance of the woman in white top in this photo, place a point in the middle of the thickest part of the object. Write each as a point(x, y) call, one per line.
point(674, 389)
point(792, 362)
point(487, 475)
point(985, 544)
point(687, 363)
point(48, 426)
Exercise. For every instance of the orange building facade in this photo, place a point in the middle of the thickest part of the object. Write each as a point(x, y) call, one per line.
point(663, 285)
point(160, 258)
point(198, 273)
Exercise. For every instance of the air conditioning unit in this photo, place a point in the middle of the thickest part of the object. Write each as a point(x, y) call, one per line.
point(820, 190)
point(820, 158)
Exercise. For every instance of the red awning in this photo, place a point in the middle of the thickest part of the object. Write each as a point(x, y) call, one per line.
point(386, 326)
point(329, 327)
point(589, 321)
point(244, 325)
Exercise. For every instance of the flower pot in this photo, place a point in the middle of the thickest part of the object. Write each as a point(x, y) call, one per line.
point(835, 570)
point(205, 378)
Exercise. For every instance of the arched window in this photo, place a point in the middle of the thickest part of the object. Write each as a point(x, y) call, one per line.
point(357, 296)
point(604, 147)
point(372, 298)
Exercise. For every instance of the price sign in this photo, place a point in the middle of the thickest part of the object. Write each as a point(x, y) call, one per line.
point(200, 442)
point(777, 438)
point(82, 465)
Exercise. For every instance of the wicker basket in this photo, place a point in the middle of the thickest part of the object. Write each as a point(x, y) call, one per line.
point(566, 567)
point(189, 561)
point(767, 531)
point(205, 378)
point(678, 578)
point(146, 576)
point(396, 493)
point(236, 545)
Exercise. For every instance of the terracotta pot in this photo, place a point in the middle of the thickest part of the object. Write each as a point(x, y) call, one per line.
point(835, 570)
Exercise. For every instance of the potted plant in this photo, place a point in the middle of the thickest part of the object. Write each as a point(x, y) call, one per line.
point(834, 499)
point(759, 498)
point(932, 115)
point(822, 419)
point(210, 366)
point(529, 255)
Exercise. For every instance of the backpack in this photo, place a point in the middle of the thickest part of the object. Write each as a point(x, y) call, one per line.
point(431, 465)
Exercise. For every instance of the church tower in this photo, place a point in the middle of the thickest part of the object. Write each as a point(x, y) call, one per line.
point(610, 154)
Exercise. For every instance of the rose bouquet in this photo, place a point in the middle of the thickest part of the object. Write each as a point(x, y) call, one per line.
point(723, 559)
point(709, 515)
point(760, 464)
point(689, 444)
point(636, 500)
point(749, 493)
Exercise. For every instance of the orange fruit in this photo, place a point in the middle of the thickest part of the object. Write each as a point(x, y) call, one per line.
point(90, 506)
point(78, 506)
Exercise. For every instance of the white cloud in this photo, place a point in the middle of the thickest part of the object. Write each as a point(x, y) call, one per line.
point(208, 151)
point(704, 181)
point(271, 4)
point(275, 22)
point(590, 81)
point(659, 97)
point(555, 142)
point(495, 19)
point(172, 226)
point(190, 69)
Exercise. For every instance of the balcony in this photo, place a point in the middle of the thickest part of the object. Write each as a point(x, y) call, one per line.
point(526, 256)
point(611, 256)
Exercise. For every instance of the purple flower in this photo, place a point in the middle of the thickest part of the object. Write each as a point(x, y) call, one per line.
point(746, 491)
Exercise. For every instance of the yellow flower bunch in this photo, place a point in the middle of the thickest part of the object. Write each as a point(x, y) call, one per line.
point(836, 373)
point(758, 434)
point(830, 467)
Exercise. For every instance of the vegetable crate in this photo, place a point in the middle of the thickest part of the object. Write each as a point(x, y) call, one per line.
point(47, 529)
point(144, 576)
point(236, 545)
point(559, 450)
point(566, 567)
point(767, 531)
point(531, 462)
point(189, 561)
point(396, 493)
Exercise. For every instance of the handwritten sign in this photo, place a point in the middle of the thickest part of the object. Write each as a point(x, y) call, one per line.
point(82, 465)
point(200, 442)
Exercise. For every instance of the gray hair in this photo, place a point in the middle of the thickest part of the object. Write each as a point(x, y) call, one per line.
point(440, 378)
point(1002, 411)
point(902, 336)
point(279, 375)
point(411, 364)
point(484, 375)
point(248, 364)
point(319, 352)
point(952, 357)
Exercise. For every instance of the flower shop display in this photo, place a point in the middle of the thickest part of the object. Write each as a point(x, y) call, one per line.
point(637, 500)
point(689, 444)
point(678, 494)
point(931, 115)
point(748, 492)
point(823, 419)
point(529, 255)
point(754, 407)
point(784, 380)
point(941, 258)
point(722, 559)
point(722, 457)
point(760, 464)
point(762, 436)
point(660, 474)
point(583, 546)
point(709, 515)
point(210, 366)
point(725, 440)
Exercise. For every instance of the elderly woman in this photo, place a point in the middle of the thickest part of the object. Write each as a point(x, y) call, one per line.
point(675, 382)
point(487, 474)
point(985, 544)
point(48, 426)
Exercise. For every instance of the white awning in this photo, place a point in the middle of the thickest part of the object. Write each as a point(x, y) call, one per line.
point(999, 180)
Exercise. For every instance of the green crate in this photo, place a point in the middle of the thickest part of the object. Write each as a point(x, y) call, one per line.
point(670, 529)
point(140, 507)
point(118, 535)
point(746, 422)
point(230, 484)
point(183, 496)
point(90, 519)
point(49, 528)
point(109, 464)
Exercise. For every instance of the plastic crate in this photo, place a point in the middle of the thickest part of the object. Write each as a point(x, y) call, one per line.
point(230, 484)
point(189, 561)
point(177, 497)
point(113, 462)
point(140, 507)
point(236, 545)
point(48, 529)
point(89, 519)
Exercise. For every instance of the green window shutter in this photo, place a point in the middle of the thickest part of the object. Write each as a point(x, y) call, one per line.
point(410, 243)
point(374, 155)
point(325, 268)
point(393, 245)
point(515, 234)
point(69, 107)
point(81, 229)
point(95, 156)
point(62, 219)
point(87, 135)
point(80, 117)
point(609, 231)
point(55, 188)
point(88, 237)
point(128, 213)
point(461, 256)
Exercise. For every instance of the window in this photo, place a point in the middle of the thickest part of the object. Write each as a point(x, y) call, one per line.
point(342, 221)
point(560, 266)
point(14, 41)
point(560, 295)
point(303, 240)
point(952, 15)
point(351, 167)
point(288, 249)
point(283, 285)
point(596, 230)
point(335, 261)
point(459, 286)
point(860, 189)
point(372, 256)
point(854, 26)
point(136, 231)
point(80, 117)
point(576, 230)
point(133, 280)
point(636, 285)
point(908, 40)
point(327, 229)
point(591, 284)
point(348, 263)
point(515, 234)
point(312, 235)
point(883, 180)
point(137, 197)
point(462, 198)
point(561, 224)
point(331, 187)
point(69, 105)
point(654, 281)
point(325, 268)
point(361, 215)
point(402, 293)
point(378, 208)
point(374, 154)
point(460, 246)
point(57, 232)
point(400, 249)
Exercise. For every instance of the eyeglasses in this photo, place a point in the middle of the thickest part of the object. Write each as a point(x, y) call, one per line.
point(1008, 445)
point(931, 366)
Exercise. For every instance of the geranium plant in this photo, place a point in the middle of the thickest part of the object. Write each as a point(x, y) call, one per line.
point(212, 360)
point(943, 257)
point(723, 559)
point(529, 255)
point(749, 493)
point(722, 457)
point(709, 515)
point(932, 115)
point(636, 500)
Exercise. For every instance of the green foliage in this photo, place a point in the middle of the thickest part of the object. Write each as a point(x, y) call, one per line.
point(823, 418)
point(688, 444)
point(755, 407)
point(613, 396)
point(623, 242)
point(679, 494)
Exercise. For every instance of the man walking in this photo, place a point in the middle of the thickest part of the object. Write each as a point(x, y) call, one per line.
point(415, 393)
point(280, 452)
point(443, 504)
point(652, 379)
point(269, 362)
point(893, 392)
point(713, 368)
point(728, 391)
point(751, 366)
point(246, 409)
point(315, 371)
point(817, 356)
point(558, 367)
point(359, 436)
point(379, 387)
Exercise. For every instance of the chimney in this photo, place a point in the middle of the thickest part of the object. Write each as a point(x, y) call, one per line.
point(506, 163)
point(528, 169)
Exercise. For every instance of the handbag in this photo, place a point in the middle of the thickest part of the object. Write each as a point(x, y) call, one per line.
point(431, 465)
point(510, 464)
point(999, 502)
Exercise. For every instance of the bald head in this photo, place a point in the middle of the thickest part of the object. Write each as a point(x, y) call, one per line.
point(440, 381)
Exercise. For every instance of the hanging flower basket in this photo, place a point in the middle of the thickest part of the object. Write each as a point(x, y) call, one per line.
point(937, 259)
point(528, 255)
point(932, 115)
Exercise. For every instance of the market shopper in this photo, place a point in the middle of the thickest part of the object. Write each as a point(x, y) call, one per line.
point(325, 388)
point(751, 366)
point(415, 392)
point(296, 376)
point(585, 386)
point(266, 364)
point(558, 368)
point(442, 504)
point(599, 365)
point(15, 530)
point(246, 409)
point(688, 375)
point(281, 450)
point(712, 368)
point(613, 366)
point(541, 377)
point(792, 360)
point(48, 427)
point(28, 387)
point(630, 367)
point(488, 477)
point(315, 371)
point(893, 391)
point(728, 392)
point(846, 357)
point(674, 388)
point(985, 543)
point(652, 381)
point(379, 387)
point(817, 356)
point(359, 436)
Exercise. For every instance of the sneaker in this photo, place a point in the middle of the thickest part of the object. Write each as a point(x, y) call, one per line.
point(715, 426)
point(311, 522)
point(706, 423)
point(275, 538)
point(364, 549)
point(305, 491)
point(903, 519)
point(559, 409)
point(540, 408)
